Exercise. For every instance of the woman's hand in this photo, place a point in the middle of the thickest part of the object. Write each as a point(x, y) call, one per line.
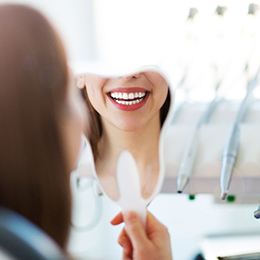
point(143, 243)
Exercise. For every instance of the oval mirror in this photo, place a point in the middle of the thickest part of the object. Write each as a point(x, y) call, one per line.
point(128, 113)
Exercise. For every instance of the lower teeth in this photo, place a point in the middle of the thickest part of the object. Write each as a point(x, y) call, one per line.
point(128, 103)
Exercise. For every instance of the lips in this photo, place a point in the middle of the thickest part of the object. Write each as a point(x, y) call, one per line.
point(128, 99)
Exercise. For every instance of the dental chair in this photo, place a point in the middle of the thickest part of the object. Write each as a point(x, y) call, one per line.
point(20, 239)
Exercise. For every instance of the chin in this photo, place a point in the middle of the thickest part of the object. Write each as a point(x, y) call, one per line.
point(129, 126)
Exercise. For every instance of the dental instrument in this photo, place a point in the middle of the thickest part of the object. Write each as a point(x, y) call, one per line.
point(188, 159)
point(232, 146)
point(257, 213)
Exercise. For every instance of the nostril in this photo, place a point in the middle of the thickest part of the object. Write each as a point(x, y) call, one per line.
point(136, 76)
point(133, 76)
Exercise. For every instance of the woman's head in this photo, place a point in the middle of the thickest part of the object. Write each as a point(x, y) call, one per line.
point(128, 103)
point(38, 116)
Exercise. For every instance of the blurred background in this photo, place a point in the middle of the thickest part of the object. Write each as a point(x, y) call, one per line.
point(201, 42)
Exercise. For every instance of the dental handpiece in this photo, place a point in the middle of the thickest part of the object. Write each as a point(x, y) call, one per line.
point(187, 163)
point(257, 213)
point(188, 159)
point(229, 160)
point(232, 146)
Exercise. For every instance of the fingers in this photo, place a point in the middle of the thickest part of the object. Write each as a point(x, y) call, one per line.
point(125, 242)
point(155, 228)
point(138, 241)
point(152, 223)
point(118, 219)
point(123, 239)
point(126, 257)
point(135, 229)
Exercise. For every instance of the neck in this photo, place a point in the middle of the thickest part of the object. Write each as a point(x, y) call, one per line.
point(143, 143)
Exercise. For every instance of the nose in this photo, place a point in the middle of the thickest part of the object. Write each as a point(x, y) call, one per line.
point(133, 76)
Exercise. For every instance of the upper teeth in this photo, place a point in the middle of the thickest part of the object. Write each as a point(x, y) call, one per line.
point(127, 96)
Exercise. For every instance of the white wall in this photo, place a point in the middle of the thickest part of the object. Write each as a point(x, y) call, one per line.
point(74, 20)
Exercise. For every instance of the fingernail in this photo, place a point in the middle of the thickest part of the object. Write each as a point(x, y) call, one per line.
point(112, 222)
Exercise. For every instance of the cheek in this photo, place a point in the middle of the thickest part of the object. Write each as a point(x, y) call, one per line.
point(161, 96)
point(94, 88)
point(96, 98)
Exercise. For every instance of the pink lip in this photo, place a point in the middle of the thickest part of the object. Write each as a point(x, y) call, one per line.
point(129, 90)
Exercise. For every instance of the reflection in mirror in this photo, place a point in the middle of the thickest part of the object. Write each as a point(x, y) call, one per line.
point(127, 113)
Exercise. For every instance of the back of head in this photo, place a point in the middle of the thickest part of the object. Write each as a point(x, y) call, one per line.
point(34, 178)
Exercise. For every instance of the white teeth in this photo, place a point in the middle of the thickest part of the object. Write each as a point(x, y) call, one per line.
point(129, 103)
point(131, 96)
point(127, 96)
point(113, 95)
point(140, 94)
point(128, 99)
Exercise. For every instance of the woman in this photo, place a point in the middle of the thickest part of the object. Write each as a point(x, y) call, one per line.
point(126, 114)
point(41, 122)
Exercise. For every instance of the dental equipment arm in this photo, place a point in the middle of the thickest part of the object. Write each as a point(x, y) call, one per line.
point(232, 146)
point(188, 160)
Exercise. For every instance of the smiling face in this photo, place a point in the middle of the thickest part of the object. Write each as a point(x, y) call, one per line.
point(129, 102)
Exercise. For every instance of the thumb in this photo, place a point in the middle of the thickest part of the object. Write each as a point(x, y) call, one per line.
point(135, 229)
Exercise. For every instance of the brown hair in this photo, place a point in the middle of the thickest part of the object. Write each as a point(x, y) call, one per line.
point(34, 177)
point(96, 129)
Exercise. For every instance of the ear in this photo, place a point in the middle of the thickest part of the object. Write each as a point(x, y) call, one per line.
point(80, 81)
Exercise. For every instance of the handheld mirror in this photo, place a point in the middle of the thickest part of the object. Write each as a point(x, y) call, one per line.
point(129, 114)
